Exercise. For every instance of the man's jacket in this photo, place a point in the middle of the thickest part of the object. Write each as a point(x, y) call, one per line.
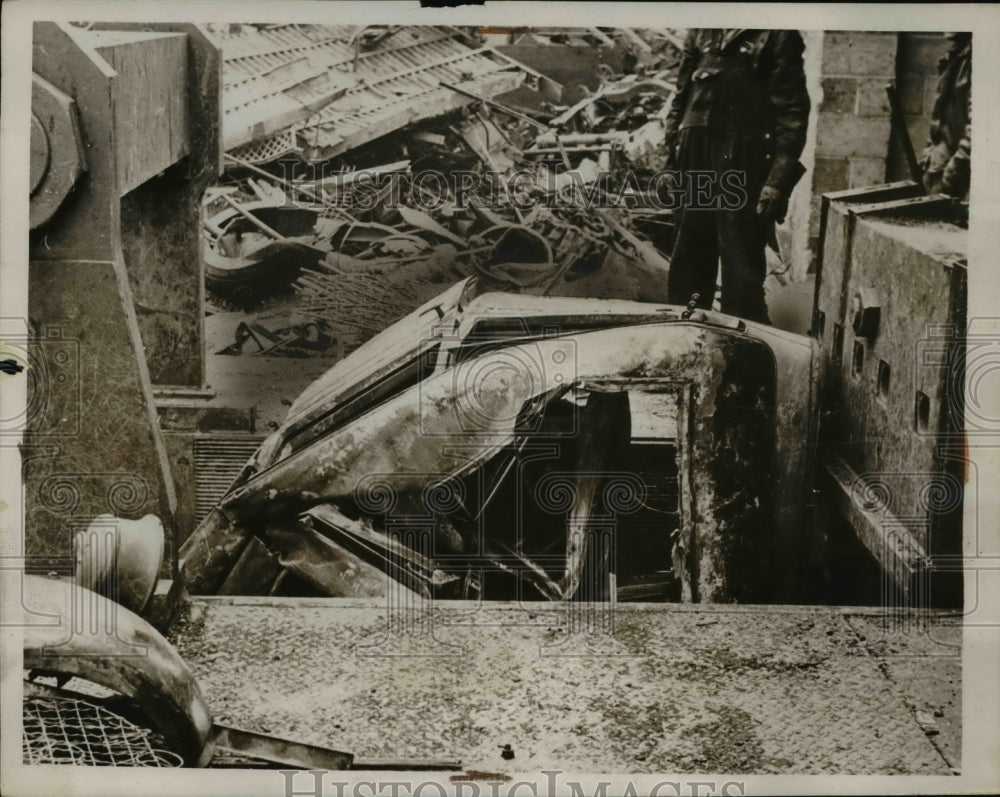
point(750, 84)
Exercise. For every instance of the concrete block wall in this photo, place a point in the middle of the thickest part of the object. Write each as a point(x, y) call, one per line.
point(853, 123)
point(851, 143)
point(916, 78)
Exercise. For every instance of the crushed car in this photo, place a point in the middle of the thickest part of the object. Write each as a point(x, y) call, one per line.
point(497, 445)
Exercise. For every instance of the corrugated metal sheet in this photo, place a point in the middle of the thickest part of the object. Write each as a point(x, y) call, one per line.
point(218, 459)
point(264, 104)
point(316, 91)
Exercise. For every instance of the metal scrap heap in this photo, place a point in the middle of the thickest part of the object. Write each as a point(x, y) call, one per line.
point(367, 168)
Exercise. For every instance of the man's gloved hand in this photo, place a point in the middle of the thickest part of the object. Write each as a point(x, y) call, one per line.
point(772, 204)
point(669, 188)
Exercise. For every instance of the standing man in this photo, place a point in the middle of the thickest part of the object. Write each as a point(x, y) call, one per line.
point(742, 109)
point(946, 159)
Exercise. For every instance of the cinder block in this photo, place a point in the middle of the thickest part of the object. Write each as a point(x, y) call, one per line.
point(866, 171)
point(910, 88)
point(849, 136)
point(859, 53)
point(839, 94)
point(872, 99)
point(830, 174)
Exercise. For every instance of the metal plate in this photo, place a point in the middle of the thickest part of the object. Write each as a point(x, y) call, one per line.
point(675, 689)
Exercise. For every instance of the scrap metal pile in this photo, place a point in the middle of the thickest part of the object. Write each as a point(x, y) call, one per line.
point(367, 169)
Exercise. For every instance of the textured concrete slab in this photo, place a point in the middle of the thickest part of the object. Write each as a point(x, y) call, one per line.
point(673, 688)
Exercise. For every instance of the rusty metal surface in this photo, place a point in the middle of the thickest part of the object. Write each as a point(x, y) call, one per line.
point(95, 446)
point(115, 287)
point(231, 741)
point(382, 89)
point(139, 198)
point(717, 689)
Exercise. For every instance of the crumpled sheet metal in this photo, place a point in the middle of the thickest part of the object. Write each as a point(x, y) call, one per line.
point(475, 407)
point(370, 93)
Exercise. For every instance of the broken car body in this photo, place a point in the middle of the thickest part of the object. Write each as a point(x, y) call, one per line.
point(502, 445)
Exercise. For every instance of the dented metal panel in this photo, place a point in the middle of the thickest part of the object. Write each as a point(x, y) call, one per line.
point(463, 423)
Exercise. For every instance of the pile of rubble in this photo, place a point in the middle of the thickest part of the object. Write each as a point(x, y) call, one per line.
point(327, 243)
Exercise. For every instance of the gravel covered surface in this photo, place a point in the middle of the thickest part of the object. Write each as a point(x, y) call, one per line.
point(675, 689)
